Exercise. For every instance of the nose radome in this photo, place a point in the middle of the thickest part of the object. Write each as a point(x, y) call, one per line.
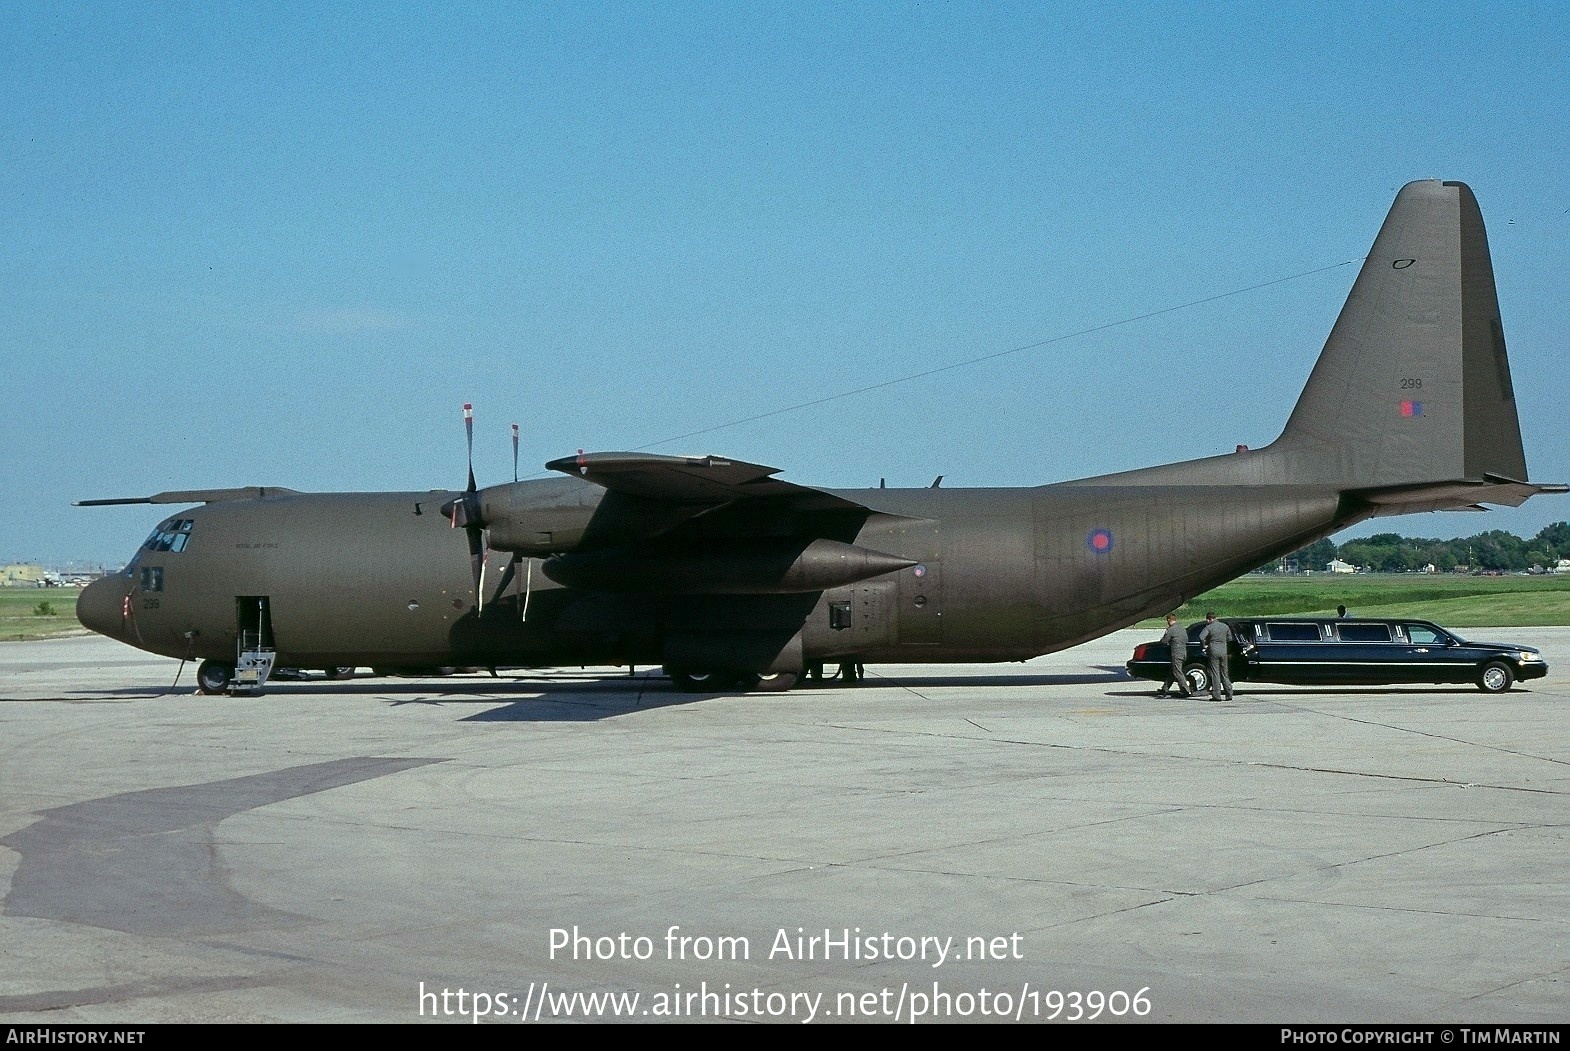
point(101, 606)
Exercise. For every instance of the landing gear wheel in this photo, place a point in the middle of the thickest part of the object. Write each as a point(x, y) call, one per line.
point(1198, 677)
point(338, 673)
point(213, 677)
point(814, 672)
point(688, 681)
point(777, 683)
point(852, 672)
point(1495, 678)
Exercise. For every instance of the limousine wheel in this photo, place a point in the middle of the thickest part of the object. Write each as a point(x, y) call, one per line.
point(1495, 678)
point(1198, 678)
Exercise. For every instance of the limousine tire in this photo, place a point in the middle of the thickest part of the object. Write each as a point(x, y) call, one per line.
point(1495, 678)
point(1198, 678)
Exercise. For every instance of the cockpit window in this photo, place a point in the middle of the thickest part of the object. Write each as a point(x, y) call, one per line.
point(170, 536)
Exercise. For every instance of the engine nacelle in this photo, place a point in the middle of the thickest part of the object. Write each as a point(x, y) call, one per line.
point(556, 515)
point(767, 566)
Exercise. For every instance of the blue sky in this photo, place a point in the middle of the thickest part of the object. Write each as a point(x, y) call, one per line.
point(276, 244)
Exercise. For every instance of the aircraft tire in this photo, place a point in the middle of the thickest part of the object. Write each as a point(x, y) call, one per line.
point(1495, 677)
point(852, 672)
point(691, 681)
point(213, 677)
point(777, 683)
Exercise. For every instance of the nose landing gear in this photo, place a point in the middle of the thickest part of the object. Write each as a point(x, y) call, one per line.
point(213, 677)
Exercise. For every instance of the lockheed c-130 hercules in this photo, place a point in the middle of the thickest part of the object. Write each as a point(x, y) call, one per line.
point(728, 576)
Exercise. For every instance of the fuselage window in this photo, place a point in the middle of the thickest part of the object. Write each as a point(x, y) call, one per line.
point(839, 615)
point(152, 578)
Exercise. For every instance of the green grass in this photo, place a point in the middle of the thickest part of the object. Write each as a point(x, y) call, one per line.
point(1454, 601)
point(19, 618)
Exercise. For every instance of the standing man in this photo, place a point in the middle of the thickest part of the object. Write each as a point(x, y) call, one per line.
point(1214, 638)
point(1177, 649)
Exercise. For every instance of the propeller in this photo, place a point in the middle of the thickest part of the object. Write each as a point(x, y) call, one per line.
point(465, 512)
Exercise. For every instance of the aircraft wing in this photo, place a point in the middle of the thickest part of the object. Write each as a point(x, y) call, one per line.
point(693, 480)
point(192, 496)
point(706, 525)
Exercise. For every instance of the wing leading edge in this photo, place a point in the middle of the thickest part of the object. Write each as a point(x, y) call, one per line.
point(701, 480)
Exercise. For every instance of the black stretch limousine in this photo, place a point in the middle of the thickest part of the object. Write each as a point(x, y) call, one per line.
point(1327, 651)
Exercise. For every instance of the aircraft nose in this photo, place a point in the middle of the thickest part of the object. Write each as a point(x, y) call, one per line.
point(101, 606)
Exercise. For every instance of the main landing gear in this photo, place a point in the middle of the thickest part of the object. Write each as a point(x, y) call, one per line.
point(689, 680)
point(694, 680)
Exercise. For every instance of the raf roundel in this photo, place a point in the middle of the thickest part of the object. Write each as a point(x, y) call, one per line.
point(1099, 541)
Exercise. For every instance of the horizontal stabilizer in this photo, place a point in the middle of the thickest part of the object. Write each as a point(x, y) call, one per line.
point(1454, 496)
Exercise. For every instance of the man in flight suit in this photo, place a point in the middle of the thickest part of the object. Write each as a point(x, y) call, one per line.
point(1214, 637)
point(1176, 640)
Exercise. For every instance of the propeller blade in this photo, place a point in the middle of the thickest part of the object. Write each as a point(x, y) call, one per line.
point(477, 562)
point(468, 426)
point(515, 452)
point(465, 511)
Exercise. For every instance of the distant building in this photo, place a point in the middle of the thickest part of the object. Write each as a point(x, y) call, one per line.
point(22, 575)
point(1335, 565)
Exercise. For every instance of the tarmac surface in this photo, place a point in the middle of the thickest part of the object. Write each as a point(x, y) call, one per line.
point(951, 843)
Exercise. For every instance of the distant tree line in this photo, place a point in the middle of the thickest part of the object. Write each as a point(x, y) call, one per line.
point(1495, 551)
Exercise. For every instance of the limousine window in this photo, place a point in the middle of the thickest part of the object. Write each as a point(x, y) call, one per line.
point(1293, 632)
point(1364, 632)
point(1421, 635)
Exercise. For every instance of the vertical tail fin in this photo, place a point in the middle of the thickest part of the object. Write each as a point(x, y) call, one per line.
point(1413, 386)
point(1410, 405)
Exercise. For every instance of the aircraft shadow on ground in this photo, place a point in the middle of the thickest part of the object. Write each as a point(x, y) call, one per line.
point(941, 678)
point(589, 697)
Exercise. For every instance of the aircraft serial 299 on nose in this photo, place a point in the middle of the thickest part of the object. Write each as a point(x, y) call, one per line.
point(727, 576)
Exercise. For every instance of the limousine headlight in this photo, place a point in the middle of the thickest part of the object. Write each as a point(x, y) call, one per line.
point(1529, 657)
